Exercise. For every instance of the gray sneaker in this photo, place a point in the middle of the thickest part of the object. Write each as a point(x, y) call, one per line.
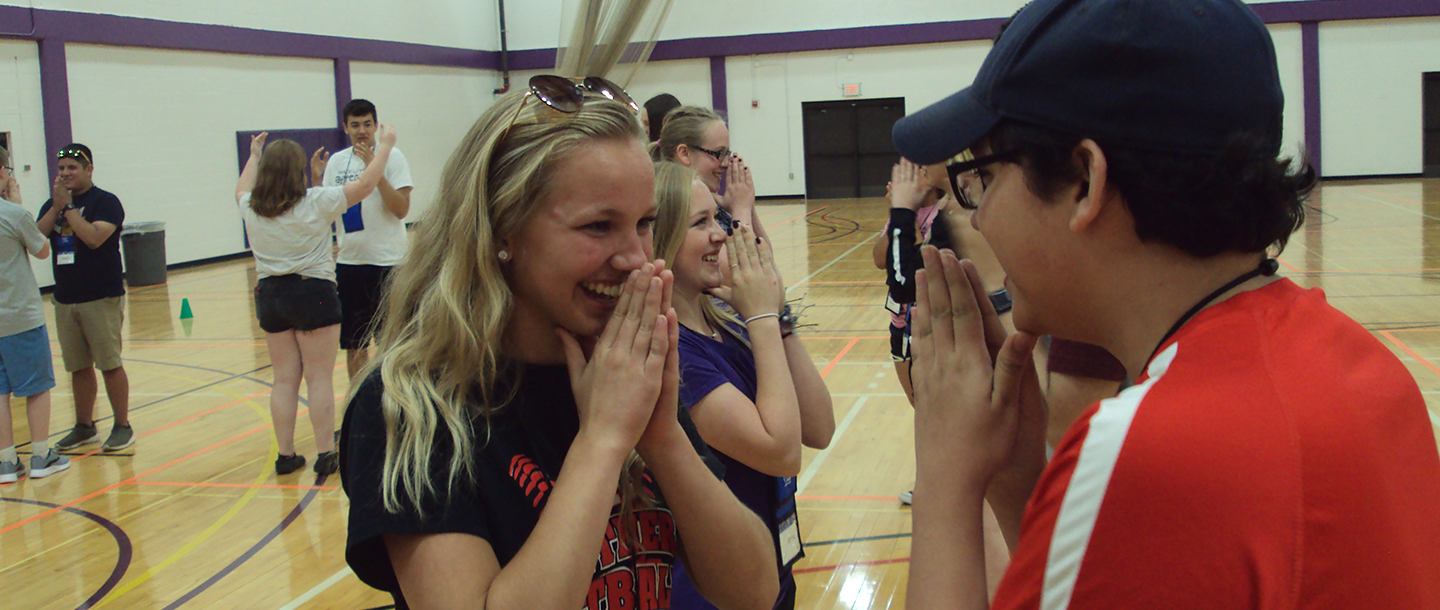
point(81, 434)
point(10, 471)
point(48, 465)
point(907, 497)
point(120, 438)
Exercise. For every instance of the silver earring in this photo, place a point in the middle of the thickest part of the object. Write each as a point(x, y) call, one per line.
point(503, 255)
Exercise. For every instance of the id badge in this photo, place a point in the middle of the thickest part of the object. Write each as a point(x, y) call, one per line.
point(65, 250)
point(893, 307)
point(354, 222)
point(787, 518)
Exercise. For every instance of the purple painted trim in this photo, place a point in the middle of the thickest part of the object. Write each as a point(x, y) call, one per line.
point(718, 93)
point(1310, 60)
point(267, 539)
point(342, 88)
point(55, 99)
point(1344, 10)
point(124, 549)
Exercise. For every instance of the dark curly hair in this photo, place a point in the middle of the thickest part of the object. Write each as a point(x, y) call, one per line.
point(1242, 199)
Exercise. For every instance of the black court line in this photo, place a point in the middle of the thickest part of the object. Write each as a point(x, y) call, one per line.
point(267, 539)
point(124, 549)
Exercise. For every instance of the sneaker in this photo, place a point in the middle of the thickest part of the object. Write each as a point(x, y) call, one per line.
point(10, 472)
point(48, 465)
point(120, 438)
point(906, 497)
point(81, 434)
point(287, 464)
point(327, 463)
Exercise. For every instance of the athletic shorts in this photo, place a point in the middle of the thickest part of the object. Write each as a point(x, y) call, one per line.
point(360, 289)
point(89, 333)
point(25, 366)
point(296, 302)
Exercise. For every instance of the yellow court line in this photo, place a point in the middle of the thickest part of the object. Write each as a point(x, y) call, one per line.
point(200, 538)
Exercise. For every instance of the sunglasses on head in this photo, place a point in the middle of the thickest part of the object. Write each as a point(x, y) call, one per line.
point(73, 153)
point(567, 95)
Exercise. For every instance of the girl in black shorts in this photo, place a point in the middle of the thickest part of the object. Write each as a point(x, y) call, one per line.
point(295, 299)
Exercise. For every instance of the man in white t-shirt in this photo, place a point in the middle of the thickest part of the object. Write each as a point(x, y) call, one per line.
point(372, 234)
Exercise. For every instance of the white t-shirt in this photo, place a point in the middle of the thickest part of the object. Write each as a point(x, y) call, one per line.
point(369, 233)
point(297, 241)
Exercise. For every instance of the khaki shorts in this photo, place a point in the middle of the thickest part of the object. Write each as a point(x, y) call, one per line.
point(89, 333)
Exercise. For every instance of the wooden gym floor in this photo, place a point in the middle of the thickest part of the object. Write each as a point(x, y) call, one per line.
point(194, 515)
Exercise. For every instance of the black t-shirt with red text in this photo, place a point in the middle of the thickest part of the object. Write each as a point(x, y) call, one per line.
point(514, 474)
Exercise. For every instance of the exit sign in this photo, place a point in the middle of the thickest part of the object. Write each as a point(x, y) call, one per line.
point(852, 90)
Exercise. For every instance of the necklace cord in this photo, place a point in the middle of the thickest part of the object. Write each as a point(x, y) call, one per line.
point(1267, 267)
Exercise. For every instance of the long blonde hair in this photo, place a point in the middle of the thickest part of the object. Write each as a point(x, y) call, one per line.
point(447, 305)
point(674, 184)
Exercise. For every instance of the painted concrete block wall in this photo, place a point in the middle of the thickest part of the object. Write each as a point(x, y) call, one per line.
point(449, 23)
point(687, 79)
point(431, 107)
point(1370, 94)
point(1290, 61)
point(22, 114)
point(162, 125)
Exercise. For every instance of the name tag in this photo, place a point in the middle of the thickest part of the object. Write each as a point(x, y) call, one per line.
point(65, 250)
point(788, 534)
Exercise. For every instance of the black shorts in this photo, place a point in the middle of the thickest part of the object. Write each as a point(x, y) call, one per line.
point(360, 289)
point(296, 302)
point(900, 344)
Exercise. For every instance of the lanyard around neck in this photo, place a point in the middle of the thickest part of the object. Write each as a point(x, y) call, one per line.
point(1267, 267)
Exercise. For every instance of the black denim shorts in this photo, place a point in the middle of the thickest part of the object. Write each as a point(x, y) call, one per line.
point(295, 302)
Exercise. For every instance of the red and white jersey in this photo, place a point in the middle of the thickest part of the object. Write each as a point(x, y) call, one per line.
point(1274, 455)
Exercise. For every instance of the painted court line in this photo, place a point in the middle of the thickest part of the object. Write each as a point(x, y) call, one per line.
point(317, 589)
point(851, 565)
point(815, 464)
point(830, 264)
point(234, 485)
point(843, 351)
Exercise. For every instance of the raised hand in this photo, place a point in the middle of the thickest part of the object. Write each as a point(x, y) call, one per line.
point(754, 285)
point(664, 423)
point(908, 186)
point(385, 134)
point(364, 153)
point(973, 384)
point(739, 188)
point(60, 195)
point(257, 143)
point(11, 190)
point(318, 161)
point(616, 389)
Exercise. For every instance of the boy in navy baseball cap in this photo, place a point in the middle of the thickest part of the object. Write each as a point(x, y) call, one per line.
point(1129, 183)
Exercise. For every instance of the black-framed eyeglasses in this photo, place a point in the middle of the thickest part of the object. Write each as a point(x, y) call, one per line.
point(567, 95)
point(958, 169)
point(720, 155)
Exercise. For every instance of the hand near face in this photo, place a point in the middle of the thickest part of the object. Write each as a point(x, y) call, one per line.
point(908, 186)
point(977, 395)
point(664, 426)
point(754, 285)
point(318, 161)
point(739, 187)
point(364, 153)
point(617, 388)
point(257, 143)
point(60, 194)
point(385, 134)
point(11, 190)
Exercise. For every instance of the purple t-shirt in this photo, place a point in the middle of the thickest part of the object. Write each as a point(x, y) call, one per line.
point(705, 365)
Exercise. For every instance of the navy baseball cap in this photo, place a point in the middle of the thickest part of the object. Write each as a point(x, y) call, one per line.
point(1179, 76)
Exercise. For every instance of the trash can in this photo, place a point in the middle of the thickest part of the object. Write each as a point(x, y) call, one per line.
point(143, 244)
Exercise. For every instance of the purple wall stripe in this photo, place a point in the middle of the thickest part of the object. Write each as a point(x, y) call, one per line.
point(718, 93)
point(342, 88)
point(55, 98)
point(1310, 59)
point(1344, 10)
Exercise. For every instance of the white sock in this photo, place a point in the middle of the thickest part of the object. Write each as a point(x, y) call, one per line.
point(8, 454)
point(41, 448)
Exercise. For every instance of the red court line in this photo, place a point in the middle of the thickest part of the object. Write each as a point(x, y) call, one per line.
point(843, 351)
point(850, 283)
point(1386, 195)
point(233, 485)
point(1405, 348)
point(130, 480)
point(1292, 267)
point(177, 422)
point(864, 498)
point(850, 565)
point(817, 338)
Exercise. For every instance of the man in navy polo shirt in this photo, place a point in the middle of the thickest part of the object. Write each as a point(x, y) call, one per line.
point(83, 224)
